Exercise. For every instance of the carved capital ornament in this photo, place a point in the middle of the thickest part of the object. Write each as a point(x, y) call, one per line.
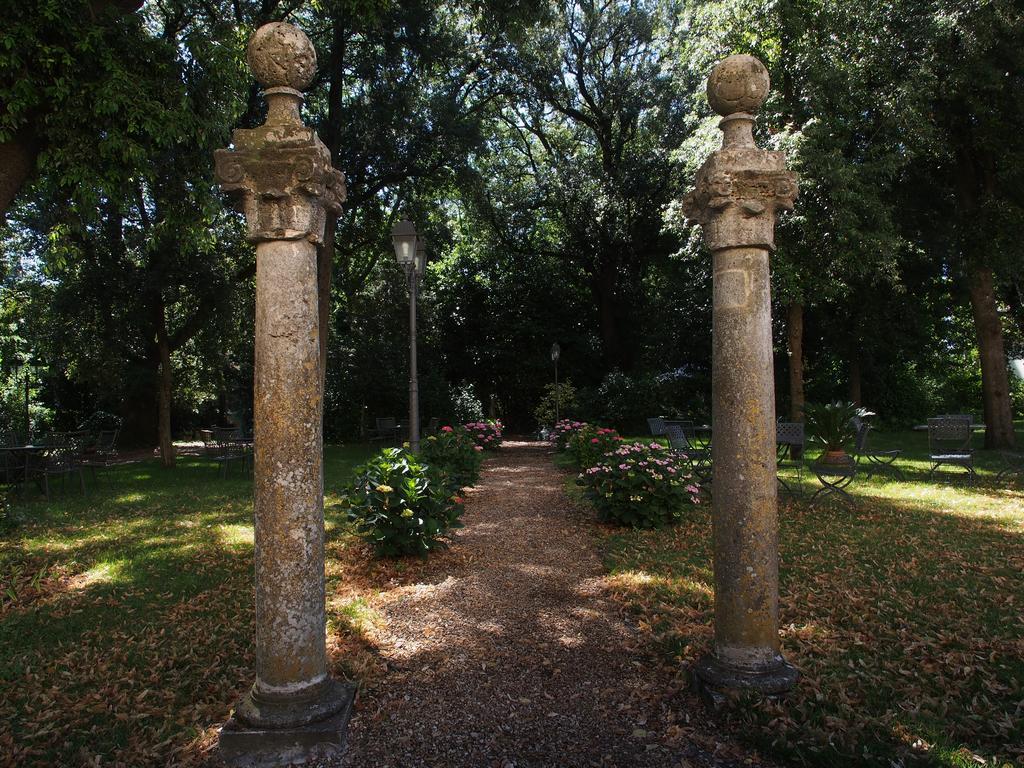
point(740, 189)
point(280, 174)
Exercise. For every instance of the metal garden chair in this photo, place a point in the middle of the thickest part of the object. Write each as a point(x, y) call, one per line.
point(61, 456)
point(1013, 464)
point(657, 426)
point(875, 461)
point(790, 443)
point(387, 429)
point(104, 453)
point(680, 436)
point(949, 442)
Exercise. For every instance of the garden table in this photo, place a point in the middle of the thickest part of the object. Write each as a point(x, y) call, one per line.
point(17, 460)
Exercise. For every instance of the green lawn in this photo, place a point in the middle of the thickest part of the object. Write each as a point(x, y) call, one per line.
point(126, 616)
point(904, 612)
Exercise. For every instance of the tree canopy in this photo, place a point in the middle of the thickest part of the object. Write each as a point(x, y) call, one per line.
point(543, 148)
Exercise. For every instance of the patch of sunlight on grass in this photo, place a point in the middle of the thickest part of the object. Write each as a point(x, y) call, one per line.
point(355, 614)
point(235, 535)
point(638, 580)
point(129, 498)
point(105, 572)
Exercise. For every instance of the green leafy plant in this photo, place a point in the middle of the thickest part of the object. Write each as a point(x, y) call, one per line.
point(642, 485)
point(589, 443)
point(454, 451)
point(402, 506)
point(559, 399)
point(831, 424)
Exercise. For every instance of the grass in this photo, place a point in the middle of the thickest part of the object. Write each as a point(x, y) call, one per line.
point(904, 612)
point(126, 615)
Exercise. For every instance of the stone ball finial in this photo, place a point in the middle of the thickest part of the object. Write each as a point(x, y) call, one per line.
point(738, 84)
point(281, 55)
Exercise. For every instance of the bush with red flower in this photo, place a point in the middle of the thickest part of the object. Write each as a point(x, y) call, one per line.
point(563, 431)
point(487, 434)
point(642, 485)
point(589, 443)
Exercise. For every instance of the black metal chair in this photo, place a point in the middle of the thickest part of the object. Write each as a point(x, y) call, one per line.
point(104, 452)
point(680, 436)
point(232, 448)
point(1013, 464)
point(386, 429)
point(875, 461)
point(61, 456)
point(657, 426)
point(949, 442)
point(790, 443)
point(834, 477)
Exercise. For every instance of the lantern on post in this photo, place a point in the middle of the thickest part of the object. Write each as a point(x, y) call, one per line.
point(556, 352)
point(411, 253)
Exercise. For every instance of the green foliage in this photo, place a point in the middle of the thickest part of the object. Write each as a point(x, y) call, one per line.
point(402, 506)
point(589, 443)
point(639, 485)
point(831, 424)
point(455, 452)
point(558, 399)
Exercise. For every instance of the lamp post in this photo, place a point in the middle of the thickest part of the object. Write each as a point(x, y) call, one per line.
point(556, 352)
point(411, 253)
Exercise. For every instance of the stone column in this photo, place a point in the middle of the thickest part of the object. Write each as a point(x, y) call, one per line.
point(739, 191)
point(282, 178)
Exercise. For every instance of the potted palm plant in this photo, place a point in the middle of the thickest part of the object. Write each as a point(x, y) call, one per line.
point(832, 426)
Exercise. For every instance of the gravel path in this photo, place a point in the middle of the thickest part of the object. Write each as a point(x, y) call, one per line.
point(515, 657)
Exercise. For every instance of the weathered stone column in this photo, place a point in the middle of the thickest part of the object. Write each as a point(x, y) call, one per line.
point(282, 177)
point(739, 191)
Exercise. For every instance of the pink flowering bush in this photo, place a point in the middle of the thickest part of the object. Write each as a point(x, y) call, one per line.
point(564, 430)
point(487, 434)
point(589, 443)
point(642, 485)
point(454, 451)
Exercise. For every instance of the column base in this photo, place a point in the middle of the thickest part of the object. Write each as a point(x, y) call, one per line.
point(713, 678)
point(244, 745)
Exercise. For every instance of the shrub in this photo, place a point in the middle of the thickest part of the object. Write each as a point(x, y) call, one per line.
point(400, 505)
point(589, 443)
point(831, 424)
point(642, 485)
point(465, 404)
point(563, 431)
point(486, 434)
point(455, 452)
point(558, 398)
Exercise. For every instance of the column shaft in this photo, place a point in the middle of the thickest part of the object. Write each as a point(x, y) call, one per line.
point(290, 620)
point(744, 490)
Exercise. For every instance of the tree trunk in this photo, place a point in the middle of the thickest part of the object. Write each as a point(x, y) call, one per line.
point(164, 424)
point(795, 332)
point(855, 382)
point(995, 384)
point(17, 163)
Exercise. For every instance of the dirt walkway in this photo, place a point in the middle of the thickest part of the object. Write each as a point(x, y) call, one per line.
point(520, 659)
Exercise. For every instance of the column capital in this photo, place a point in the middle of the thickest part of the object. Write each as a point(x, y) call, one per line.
point(280, 174)
point(740, 189)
